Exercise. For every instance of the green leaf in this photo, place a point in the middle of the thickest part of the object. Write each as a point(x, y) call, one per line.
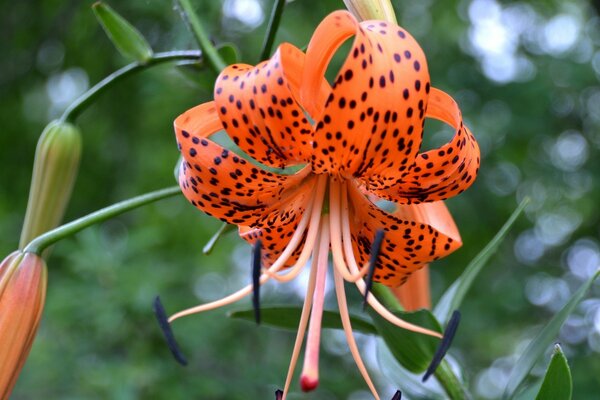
point(128, 40)
point(453, 297)
point(289, 317)
point(557, 384)
point(544, 339)
point(228, 52)
point(412, 350)
point(225, 228)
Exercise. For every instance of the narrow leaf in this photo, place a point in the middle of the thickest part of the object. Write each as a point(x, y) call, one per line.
point(210, 245)
point(229, 53)
point(414, 351)
point(272, 29)
point(557, 384)
point(289, 317)
point(128, 40)
point(453, 297)
point(544, 339)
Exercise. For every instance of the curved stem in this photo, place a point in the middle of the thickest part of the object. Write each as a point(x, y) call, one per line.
point(77, 107)
point(272, 29)
point(213, 59)
point(38, 244)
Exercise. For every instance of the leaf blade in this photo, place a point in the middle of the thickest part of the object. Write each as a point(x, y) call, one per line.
point(453, 297)
point(288, 318)
point(541, 342)
point(558, 384)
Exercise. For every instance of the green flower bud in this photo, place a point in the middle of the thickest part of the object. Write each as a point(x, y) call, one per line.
point(23, 278)
point(371, 9)
point(54, 173)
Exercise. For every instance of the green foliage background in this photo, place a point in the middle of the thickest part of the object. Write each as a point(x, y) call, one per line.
point(98, 338)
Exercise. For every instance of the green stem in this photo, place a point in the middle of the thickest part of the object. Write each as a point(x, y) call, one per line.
point(272, 29)
point(213, 59)
point(450, 382)
point(90, 96)
point(41, 242)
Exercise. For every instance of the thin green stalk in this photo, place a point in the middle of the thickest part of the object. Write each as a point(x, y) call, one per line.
point(213, 59)
point(386, 297)
point(40, 243)
point(77, 107)
point(449, 381)
point(272, 29)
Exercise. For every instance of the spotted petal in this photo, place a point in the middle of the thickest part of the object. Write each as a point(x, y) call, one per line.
point(218, 181)
point(374, 114)
point(440, 173)
point(415, 235)
point(258, 108)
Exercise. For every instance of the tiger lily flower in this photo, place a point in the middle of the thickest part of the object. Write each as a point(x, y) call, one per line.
point(354, 141)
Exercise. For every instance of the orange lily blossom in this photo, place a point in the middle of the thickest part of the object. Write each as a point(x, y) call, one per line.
point(357, 139)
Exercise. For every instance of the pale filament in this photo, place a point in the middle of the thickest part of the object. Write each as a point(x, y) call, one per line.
point(336, 236)
point(345, 317)
point(310, 371)
point(314, 210)
point(301, 328)
point(373, 302)
point(278, 264)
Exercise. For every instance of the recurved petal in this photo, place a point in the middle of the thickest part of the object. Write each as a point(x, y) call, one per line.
point(440, 173)
point(413, 237)
point(374, 114)
point(258, 108)
point(279, 224)
point(218, 181)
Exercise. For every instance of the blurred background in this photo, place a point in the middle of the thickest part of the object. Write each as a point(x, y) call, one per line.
point(527, 77)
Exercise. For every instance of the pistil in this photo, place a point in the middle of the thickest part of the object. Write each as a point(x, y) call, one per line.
point(309, 378)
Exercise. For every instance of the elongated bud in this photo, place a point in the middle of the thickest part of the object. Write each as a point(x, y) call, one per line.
point(371, 9)
point(22, 296)
point(54, 172)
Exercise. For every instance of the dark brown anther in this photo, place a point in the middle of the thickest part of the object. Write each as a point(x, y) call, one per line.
point(278, 394)
point(165, 326)
point(444, 345)
point(256, 271)
point(375, 249)
point(397, 396)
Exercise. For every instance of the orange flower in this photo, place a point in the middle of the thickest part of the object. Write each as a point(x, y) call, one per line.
point(354, 141)
point(22, 296)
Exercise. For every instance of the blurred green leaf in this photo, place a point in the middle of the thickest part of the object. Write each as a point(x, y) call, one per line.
point(412, 350)
point(541, 342)
point(558, 384)
point(128, 40)
point(453, 297)
point(289, 317)
point(228, 52)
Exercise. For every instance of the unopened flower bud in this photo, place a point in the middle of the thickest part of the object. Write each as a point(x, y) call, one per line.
point(22, 296)
point(54, 172)
point(371, 9)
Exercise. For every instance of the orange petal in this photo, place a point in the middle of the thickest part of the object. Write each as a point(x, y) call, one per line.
point(276, 228)
point(412, 238)
point(374, 115)
point(259, 111)
point(218, 181)
point(415, 294)
point(440, 173)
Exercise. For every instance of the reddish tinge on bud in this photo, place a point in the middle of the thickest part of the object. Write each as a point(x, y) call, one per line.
point(22, 296)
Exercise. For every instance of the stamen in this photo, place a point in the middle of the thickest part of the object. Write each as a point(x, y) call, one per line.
point(256, 266)
point(397, 396)
point(345, 317)
point(444, 345)
point(277, 265)
point(373, 302)
point(336, 236)
point(161, 317)
point(375, 249)
point(309, 379)
point(278, 395)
